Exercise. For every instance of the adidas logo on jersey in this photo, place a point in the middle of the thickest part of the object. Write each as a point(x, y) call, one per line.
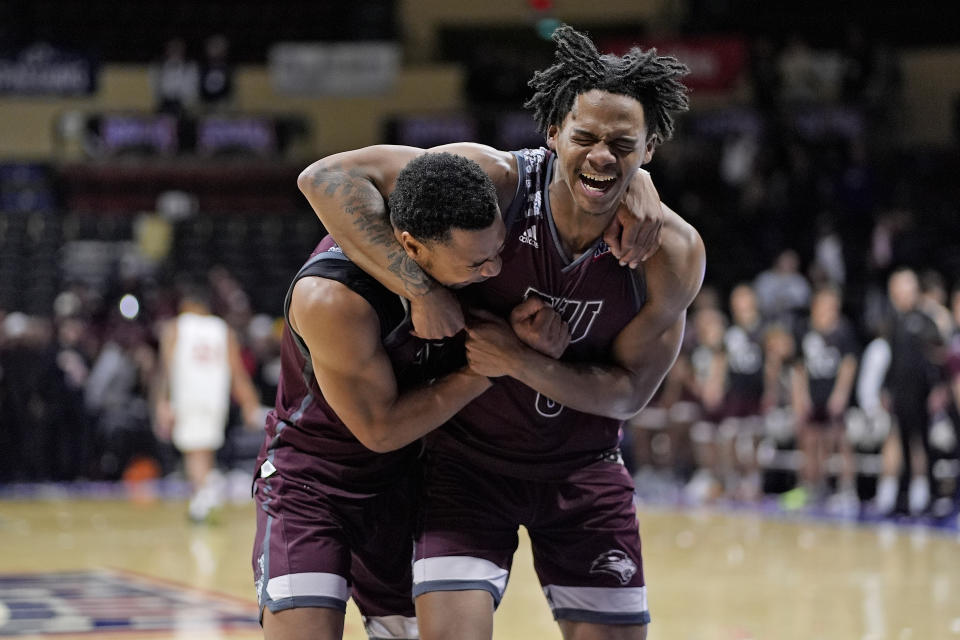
point(530, 237)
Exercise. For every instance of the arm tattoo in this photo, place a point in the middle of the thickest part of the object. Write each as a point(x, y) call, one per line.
point(363, 204)
point(415, 281)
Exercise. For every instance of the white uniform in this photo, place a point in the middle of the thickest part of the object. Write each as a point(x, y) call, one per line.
point(200, 382)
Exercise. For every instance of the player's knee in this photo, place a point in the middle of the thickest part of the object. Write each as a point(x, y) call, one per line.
point(466, 615)
point(572, 630)
point(306, 623)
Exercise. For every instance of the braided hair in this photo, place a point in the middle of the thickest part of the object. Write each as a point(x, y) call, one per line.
point(655, 81)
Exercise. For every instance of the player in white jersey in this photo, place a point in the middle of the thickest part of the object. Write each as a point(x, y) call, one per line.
point(201, 365)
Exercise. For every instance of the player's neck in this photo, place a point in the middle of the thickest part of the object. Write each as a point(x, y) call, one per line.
point(577, 229)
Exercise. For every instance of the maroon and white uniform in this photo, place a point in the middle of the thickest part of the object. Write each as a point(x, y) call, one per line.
point(514, 456)
point(333, 516)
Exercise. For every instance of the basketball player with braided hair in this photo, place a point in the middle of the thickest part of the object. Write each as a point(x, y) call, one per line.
point(540, 446)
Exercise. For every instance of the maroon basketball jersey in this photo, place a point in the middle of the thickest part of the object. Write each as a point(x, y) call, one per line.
point(511, 427)
point(302, 417)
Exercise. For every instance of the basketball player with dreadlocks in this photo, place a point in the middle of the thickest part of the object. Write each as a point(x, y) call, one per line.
point(540, 446)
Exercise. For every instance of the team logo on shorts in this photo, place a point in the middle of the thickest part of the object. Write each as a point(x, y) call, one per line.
point(616, 563)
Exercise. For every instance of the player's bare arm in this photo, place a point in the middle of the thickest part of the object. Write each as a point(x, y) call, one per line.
point(354, 373)
point(642, 353)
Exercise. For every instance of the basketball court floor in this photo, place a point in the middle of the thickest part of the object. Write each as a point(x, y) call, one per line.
point(108, 568)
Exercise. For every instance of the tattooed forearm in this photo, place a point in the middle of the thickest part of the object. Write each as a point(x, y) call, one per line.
point(352, 192)
point(356, 196)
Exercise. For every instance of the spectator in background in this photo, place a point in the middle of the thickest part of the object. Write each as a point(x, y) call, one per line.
point(706, 357)
point(742, 388)
point(913, 372)
point(702, 363)
point(263, 342)
point(739, 392)
point(12, 398)
point(738, 159)
point(72, 447)
point(823, 381)
point(944, 432)
point(115, 395)
point(201, 363)
point(175, 79)
point(28, 393)
point(876, 421)
point(781, 291)
point(779, 350)
point(228, 299)
point(953, 372)
point(828, 266)
point(953, 361)
point(216, 74)
point(897, 239)
point(933, 302)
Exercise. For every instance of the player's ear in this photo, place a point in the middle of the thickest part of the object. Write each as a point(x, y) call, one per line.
point(552, 132)
point(648, 151)
point(411, 245)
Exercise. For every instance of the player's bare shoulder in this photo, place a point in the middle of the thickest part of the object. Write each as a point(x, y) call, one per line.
point(680, 237)
point(677, 268)
point(321, 308)
point(501, 166)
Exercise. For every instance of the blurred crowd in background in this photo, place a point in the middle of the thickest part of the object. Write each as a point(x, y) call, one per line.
point(822, 359)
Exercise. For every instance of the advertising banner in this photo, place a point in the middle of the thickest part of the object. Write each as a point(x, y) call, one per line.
point(42, 69)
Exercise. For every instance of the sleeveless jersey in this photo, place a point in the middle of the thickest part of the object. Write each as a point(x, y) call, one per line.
point(511, 428)
point(200, 369)
point(302, 418)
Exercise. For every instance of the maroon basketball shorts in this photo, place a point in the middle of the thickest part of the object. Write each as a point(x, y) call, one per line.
point(583, 529)
point(316, 546)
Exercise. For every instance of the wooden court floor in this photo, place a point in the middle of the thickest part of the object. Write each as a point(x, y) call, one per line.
point(710, 575)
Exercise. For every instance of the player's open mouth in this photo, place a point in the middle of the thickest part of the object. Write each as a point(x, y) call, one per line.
point(595, 184)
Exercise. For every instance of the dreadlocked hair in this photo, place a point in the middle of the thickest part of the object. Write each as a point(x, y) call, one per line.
point(655, 81)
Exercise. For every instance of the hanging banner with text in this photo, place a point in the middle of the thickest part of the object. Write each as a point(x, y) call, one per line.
point(333, 69)
point(42, 69)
